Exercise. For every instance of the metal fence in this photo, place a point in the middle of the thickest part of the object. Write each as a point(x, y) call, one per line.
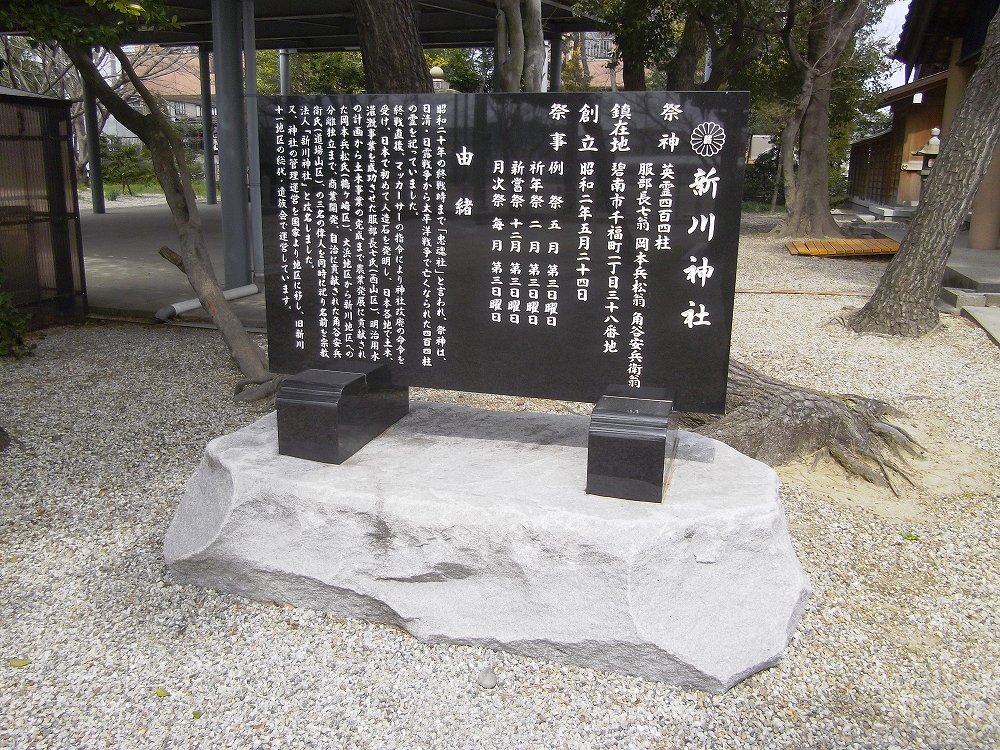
point(41, 253)
point(599, 46)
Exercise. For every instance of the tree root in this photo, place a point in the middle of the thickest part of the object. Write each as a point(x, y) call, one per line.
point(774, 422)
point(257, 388)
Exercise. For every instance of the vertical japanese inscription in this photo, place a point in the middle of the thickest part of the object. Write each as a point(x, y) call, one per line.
point(345, 177)
point(513, 244)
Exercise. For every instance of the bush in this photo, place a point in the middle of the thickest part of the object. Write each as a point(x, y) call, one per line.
point(189, 129)
point(758, 181)
point(195, 164)
point(838, 187)
point(13, 327)
point(125, 163)
point(756, 207)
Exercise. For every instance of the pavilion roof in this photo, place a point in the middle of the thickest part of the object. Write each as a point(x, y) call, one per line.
point(328, 25)
point(932, 25)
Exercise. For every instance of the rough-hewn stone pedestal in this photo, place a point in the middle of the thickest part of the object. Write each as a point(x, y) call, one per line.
point(470, 526)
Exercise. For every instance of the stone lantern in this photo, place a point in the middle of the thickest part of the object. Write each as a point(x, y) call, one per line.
point(929, 152)
point(439, 81)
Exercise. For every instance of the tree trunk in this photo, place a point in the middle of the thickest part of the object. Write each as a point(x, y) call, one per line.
point(510, 45)
point(10, 67)
point(903, 302)
point(777, 181)
point(500, 50)
point(682, 70)
point(807, 198)
point(788, 142)
point(398, 65)
point(739, 49)
point(171, 171)
point(169, 164)
point(581, 39)
point(633, 72)
point(79, 140)
point(632, 46)
point(809, 208)
point(534, 46)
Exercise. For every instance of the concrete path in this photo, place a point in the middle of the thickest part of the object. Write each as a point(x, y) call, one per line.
point(125, 275)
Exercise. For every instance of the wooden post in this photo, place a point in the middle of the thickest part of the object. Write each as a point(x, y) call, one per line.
point(984, 229)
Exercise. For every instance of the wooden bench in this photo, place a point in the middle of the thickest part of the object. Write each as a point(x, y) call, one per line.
point(879, 246)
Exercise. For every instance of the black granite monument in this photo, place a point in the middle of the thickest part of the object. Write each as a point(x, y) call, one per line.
point(541, 245)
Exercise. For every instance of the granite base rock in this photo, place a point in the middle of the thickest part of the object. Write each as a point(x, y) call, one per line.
point(469, 526)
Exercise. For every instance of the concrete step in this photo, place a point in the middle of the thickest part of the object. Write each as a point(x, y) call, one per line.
point(954, 298)
point(955, 278)
point(978, 270)
point(946, 309)
point(861, 231)
point(962, 297)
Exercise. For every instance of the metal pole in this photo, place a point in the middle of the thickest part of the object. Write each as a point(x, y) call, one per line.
point(207, 129)
point(555, 62)
point(93, 149)
point(232, 149)
point(253, 146)
point(499, 50)
point(284, 78)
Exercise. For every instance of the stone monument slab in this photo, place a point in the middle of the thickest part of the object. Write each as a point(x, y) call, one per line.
point(572, 241)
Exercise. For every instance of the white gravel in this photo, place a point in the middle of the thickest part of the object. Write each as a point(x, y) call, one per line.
point(899, 648)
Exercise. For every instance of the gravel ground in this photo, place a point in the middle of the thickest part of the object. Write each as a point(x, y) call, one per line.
point(899, 647)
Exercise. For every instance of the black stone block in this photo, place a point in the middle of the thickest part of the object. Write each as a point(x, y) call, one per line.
point(628, 442)
point(329, 415)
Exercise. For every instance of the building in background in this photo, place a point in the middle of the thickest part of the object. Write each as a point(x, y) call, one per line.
point(600, 50)
point(588, 62)
point(940, 45)
point(172, 74)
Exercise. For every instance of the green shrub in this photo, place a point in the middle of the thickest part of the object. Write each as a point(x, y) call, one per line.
point(838, 187)
point(125, 164)
point(13, 327)
point(195, 164)
point(758, 181)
